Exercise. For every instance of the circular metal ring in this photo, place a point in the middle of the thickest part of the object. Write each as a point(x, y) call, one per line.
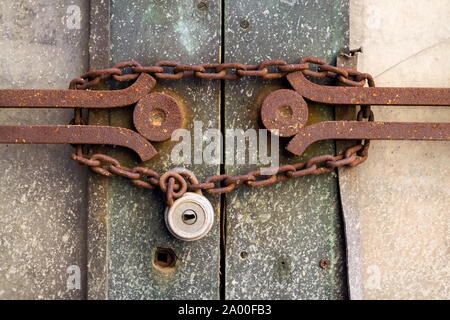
point(156, 116)
point(284, 110)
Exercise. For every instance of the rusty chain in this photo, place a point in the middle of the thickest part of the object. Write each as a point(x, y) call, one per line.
point(171, 70)
point(174, 184)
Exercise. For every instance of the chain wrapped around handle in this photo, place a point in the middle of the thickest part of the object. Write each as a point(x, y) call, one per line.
point(174, 185)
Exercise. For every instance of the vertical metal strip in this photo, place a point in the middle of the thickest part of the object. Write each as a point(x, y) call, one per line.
point(347, 189)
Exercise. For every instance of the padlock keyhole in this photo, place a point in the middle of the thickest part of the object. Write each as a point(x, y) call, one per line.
point(189, 217)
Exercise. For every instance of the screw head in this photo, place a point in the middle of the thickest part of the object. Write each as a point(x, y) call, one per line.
point(244, 255)
point(245, 24)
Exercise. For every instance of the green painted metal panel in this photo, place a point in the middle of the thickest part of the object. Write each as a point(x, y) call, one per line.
point(148, 31)
point(276, 236)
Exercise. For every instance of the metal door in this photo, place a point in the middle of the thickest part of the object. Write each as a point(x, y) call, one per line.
point(265, 244)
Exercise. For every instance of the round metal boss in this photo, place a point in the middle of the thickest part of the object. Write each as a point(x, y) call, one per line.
point(156, 116)
point(190, 217)
point(284, 110)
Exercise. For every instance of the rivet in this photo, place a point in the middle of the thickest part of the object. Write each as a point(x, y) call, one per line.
point(244, 24)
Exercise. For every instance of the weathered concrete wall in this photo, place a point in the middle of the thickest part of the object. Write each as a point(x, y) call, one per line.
point(403, 190)
point(42, 199)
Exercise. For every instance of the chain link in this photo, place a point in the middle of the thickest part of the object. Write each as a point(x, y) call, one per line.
point(172, 70)
point(175, 184)
point(217, 184)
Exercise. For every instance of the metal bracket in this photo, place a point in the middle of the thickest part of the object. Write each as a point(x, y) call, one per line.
point(275, 117)
point(147, 104)
point(368, 96)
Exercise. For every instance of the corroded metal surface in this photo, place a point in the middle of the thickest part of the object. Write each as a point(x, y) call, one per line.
point(175, 70)
point(157, 116)
point(14, 98)
point(42, 192)
point(174, 184)
point(353, 130)
point(284, 110)
point(225, 183)
point(78, 134)
point(369, 96)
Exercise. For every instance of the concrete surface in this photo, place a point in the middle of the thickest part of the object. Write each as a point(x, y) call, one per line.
point(402, 193)
point(42, 198)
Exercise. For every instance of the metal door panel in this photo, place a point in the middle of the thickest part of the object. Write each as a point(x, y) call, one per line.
point(148, 31)
point(277, 236)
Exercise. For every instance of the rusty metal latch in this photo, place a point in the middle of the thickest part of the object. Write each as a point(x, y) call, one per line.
point(138, 93)
point(283, 111)
point(349, 130)
point(368, 95)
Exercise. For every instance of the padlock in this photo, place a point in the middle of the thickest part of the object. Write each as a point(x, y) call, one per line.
point(191, 216)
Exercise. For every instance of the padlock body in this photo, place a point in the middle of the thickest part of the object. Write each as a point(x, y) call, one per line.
point(190, 217)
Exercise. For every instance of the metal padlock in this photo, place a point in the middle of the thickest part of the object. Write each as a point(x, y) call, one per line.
point(191, 216)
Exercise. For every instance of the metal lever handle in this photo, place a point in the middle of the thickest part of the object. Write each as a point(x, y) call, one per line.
point(368, 96)
point(293, 123)
point(102, 99)
point(147, 105)
point(78, 134)
point(356, 130)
